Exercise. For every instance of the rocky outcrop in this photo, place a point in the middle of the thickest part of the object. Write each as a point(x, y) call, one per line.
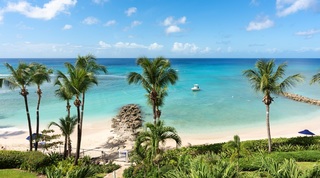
point(301, 98)
point(129, 119)
point(126, 126)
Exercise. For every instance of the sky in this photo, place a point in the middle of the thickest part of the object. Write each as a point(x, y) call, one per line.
point(152, 28)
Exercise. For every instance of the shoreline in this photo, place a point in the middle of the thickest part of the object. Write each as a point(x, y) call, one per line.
point(97, 132)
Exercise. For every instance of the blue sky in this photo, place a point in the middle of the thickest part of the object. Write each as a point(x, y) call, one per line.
point(169, 28)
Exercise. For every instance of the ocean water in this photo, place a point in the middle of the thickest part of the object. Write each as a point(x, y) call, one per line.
point(226, 100)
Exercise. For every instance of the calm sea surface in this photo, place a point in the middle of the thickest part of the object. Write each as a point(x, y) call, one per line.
point(225, 101)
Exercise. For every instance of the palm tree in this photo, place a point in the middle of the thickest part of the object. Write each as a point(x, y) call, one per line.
point(66, 125)
point(21, 77)
point(266, 79)
point(156, 75)
point(235, 145)
point(162, 93)
point(77, 83)
point(315, 78)
point(40, 74)
point(149, 141)
point(63, 93)
point(89, 65)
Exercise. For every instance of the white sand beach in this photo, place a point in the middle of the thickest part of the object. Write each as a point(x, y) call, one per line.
point(96, 135)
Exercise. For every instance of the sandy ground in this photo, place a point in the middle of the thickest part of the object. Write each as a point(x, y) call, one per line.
point(97, 134)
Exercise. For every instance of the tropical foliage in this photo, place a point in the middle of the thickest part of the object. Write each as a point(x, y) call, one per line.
point(268, 79)
point(39, 75)
point(21, 78)
point(148, 151)
point(80, 78)
point(156, 75)
point(66, 125)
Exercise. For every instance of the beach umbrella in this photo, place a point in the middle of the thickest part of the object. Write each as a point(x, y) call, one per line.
point(306, 132)
point(34, 136)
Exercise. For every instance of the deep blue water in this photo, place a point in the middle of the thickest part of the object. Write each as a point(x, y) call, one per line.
point(225, 101)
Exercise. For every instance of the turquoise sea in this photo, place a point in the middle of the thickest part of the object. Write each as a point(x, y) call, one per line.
point(225, 101)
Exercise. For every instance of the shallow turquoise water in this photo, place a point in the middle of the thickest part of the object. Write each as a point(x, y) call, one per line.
point(225, 101)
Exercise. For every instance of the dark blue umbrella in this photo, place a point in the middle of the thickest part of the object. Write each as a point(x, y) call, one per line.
point(306, 132)
point(34, 136)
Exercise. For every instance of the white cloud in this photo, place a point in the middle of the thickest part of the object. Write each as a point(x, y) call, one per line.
point(67, 27)
point(90, 21)
point(104, 45)
point(135, 23)
point(172, 24)
point(110, 23)
point(308, 34)
point(205, 50)
point(287, 7)
point(99, 1)
point(131, 11)
point(307, 49)
point(155, 46)
point(182, 20)
point(47, 12)
point(170, 21)
point(273, 50)
point(173, 29)
point(254, 2)
point(260, 23)
point(186, 47)
point(128, 45)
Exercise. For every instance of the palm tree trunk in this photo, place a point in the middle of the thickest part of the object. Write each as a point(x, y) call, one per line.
point(82, 111)
point(39, 92)
point(268, 127)
point(78, 103)
point(24, 93)
point(69, 146)
point(65, 147)
point(68, 108)
point(154, 112)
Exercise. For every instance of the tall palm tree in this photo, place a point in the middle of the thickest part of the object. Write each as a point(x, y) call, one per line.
point(40, 74)
point(156, 75)
point(265, 78)
point(66, 125)
point(89, 64)
point(162, 93)
point(21, 78)
point(77, 83)
point(91, 67)
point(150, 139)
point(63, 93)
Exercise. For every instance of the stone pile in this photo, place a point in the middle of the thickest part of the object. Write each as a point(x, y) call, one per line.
point(126, 126)
point(129, 119)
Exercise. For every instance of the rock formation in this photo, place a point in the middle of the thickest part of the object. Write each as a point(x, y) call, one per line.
point(125, 126)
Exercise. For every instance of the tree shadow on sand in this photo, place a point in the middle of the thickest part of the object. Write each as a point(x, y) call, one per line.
point(7, 134)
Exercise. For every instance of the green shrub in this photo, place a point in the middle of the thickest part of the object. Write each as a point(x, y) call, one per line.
point(55, 157)
point(35, 161)
point(11, 159)
point(31, 161)
point(314, 172)
point(300, 156)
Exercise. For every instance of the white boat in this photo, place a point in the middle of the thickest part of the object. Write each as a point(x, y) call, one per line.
point(195, 87)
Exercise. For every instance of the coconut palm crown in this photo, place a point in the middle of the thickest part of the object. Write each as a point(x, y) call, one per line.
point(66, 125)
point(156, 75)
point(268, 79)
